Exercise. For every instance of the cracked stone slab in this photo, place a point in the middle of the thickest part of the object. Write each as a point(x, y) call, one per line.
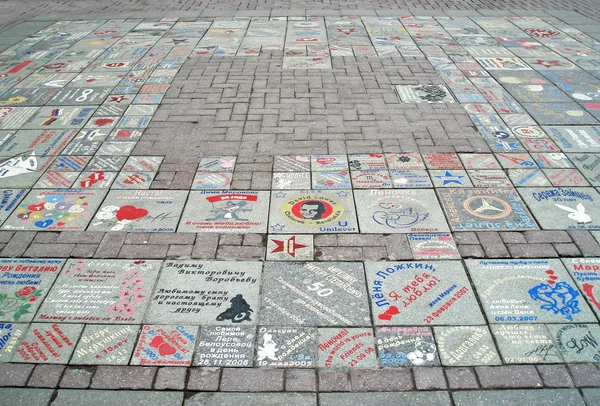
point(48, 343)
point(312, 211)
point(421, 294)
point(286, 347)
point(94, 291)
point(526, 290)
point(399, 211)
point(213, 293)
point(26, 283)
point(240, 345)
point(557, 208)
point(165, 345)
point(346, 347)
point(466, 346)
point(59, 209)
point(525, 344)
point(314, 294)
point(105, 344)
point(406, 346)
point(485, 209)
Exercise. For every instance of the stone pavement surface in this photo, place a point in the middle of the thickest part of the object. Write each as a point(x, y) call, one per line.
point(299, 206)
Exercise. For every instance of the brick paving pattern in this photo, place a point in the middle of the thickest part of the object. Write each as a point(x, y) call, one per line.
point(309, 204)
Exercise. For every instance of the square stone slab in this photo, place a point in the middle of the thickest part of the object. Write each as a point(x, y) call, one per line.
point(59, 118)
point(100, 291)
point(11, 334)
point(314, 294)
point(133, 180)
point(406, 346)
point(45, 209)
point(124, 398)
point(286, 347)
point(453, 178)
point(565, 177)
point(513, 161)
point(589, 165)
point(331, 180)
point(399, 211)
point(421, 293)
point(585, 272)
point(223, 211)
point(558, 208)
point(41, 142)
point(501, 63)
point(56, 180)
point(212, 180)
point(46, 343)
point(27, 96)
point(10, 199)
point(525, 291)
point(312, 211)
point(485, 209)
point(404, 161)
point(216, 163)
point(143, 163)
point(291, 180)
point(321, 163)
point(525, 344)
point(206, 293)
point(528, 177)
point(165, 345)
point(140, 211)
point(552, 160)
point(13, 118)
point(559, 114)
point(306, 62)
point(105, 344)
point(575, 138)
point(240, 346)
point(75, 96)
point(346, 347)
point(410, 178)
point(424, 94)
point(371, 179)
point(95, 180)
point(26, 284)
point(489, 178)
point(69, 163)
point(464, 346)
point(576, 342)
point(367, 162)
point(433, 246)
point(298, 163)
point(106, 163)
point(440, 160)
point(479, 161)
point(540, 144)
point(290, 247)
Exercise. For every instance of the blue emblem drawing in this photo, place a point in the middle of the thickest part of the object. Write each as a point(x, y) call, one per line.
point(399, 219)
point(560, 298)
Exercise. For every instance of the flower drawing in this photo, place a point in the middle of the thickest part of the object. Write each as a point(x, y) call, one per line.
point(132, 290)
point(20, 303)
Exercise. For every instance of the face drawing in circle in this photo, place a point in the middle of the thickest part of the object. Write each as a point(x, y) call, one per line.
point(312, 210)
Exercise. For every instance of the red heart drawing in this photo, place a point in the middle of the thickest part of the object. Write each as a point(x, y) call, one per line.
point(157, 341)
point(166, 349)
point(123, 133)
point(131, 213)
point(384, 316)
point(392, 310)
point(325, 161)
point(104, 121)
point(35, 207)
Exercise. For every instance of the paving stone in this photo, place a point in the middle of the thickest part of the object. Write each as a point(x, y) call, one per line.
point(521, 294)
point(333, 381)
point(33, 397)
point(14, 374)
point(385, 399)
point(584, 241)
point(252, 380)
point(467, 237)
point(170, 378)
point(508, 377)
point(422, 286)
point(111, 243)
point(123, 377)
point(238, 212)
point(312, 212)
point(258, 399)
point(203, 379)
point(492, 245)
point(429, 378)
point(301, 380)
point(18, 244)
point(585, 375)
point(46, 376)
point(206, 246)
point(461, 378)
point(399, 211)
point(125, 398)
point(555, 376)
point(236, 301)
point(83, 284)
point(523, 397)
point(76, 378)
point(313, 294)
